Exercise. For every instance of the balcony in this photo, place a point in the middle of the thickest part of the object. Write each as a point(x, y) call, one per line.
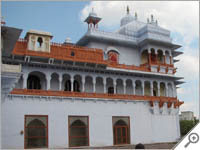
point(151, 99)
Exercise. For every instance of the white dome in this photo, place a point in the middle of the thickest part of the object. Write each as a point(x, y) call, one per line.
point(125, 20)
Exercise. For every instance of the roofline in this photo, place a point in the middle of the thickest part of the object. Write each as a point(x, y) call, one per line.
point(88, 36)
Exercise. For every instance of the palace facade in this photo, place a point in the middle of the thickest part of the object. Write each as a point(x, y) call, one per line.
point(109, 88)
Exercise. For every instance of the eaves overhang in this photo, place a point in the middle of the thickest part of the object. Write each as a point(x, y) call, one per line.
point(153, 74)
point(159, 42)
point(178, 82)
point(176, 53)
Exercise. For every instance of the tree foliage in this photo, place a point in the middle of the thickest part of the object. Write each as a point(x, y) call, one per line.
point(186, 126)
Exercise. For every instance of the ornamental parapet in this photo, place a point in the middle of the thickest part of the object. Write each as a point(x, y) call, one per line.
point(152, 99)
point(74, 53)
point(63, 52)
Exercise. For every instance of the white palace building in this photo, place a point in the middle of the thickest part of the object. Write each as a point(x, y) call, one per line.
point(109, 88)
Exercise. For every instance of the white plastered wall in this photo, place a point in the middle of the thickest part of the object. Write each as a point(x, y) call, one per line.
point(145, 127)
point(128, 56)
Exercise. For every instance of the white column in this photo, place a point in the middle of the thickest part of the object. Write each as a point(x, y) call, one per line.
point(94, 85)
point(124, 85)
point(83, 84)
point(149, 56)
point(115, 85)
point(104, 85)
point(25, 77)
point(175, 92)
point(166, 90)
point(158, 88)
point(164, 56)
point(143, 88)
point(60, 82)
point(133, 87)
point(72, 83)
point(151, 87)
point(48, 78)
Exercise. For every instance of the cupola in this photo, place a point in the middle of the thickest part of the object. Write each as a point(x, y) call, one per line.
point(92, 20)
point(38, 40)
point(128, 18)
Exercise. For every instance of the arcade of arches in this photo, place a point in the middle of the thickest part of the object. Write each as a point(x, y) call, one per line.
point(153, 56)
point(90, 84)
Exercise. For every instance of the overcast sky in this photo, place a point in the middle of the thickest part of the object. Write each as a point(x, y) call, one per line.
point(65, 19)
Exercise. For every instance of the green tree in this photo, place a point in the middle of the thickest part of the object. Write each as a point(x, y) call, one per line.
point(186, 126)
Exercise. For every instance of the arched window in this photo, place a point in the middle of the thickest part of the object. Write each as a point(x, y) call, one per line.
point(36, 132)
point(39, 42)
point(76, 86)
point(113, 56)
point(162, 89)
point(67, 85)
point(33, 82)
point(78, 131)
point(110, 90)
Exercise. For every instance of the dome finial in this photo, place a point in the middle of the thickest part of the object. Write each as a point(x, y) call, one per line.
point(127, 9)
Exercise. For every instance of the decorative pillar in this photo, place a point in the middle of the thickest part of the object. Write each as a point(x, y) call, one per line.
point(48, 78)
point(104, 85)
point(114, 84)
point(25, 77)
point(164, 59)
point(133, 87)
point(175, 92)
point(158, 88)
point(143, 88)
point(149, 52)
point(166, 93)
point(164, 56)
point(60, 82)
point(124, 85)
point(151, 88)
point(156, 53)
point(94, 85)
point(83, 84)
point(170, 57)
point(72, 83)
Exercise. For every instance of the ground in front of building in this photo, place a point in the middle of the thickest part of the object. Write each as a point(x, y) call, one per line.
point(147, 146)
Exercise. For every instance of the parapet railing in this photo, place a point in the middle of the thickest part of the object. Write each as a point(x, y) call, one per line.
point(63, 52)
point(80, 54)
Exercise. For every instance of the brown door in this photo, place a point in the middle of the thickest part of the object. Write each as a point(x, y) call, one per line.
point(121, 135)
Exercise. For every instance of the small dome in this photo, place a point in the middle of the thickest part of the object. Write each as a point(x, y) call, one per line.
point(125, 20)
point(128, 18)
